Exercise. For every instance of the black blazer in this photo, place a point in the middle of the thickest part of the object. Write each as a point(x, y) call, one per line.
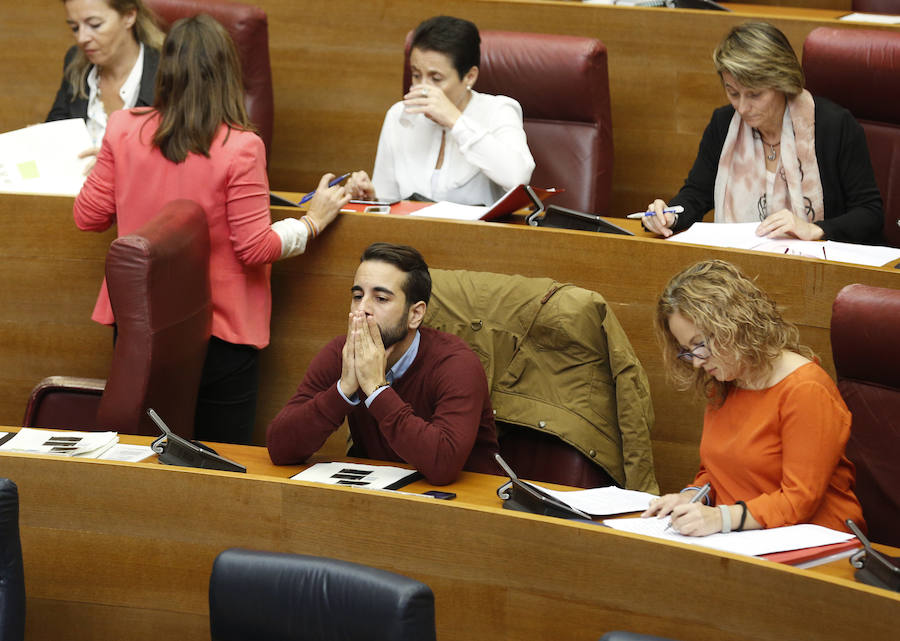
point(64, 107)
point(853, 207)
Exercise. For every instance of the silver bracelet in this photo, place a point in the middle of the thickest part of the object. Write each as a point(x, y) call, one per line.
point(726, 518)
point(696, 489)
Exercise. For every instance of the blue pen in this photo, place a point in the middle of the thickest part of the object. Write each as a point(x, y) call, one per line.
point(677, 209)
point(334, 182)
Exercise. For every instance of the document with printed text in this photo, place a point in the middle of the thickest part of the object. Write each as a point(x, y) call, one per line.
point(43, 159)
point(748, 542)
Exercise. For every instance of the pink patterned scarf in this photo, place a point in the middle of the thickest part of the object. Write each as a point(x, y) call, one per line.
point(742, 193)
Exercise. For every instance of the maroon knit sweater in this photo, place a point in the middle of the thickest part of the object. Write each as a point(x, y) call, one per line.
point(437, 417)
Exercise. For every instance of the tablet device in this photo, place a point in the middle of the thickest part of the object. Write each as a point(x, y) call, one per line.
point(175, 450)
point(556, 217)
point(525, 497)
point(275, 199)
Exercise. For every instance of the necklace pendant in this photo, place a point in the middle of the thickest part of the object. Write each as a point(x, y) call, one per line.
point(771, 154)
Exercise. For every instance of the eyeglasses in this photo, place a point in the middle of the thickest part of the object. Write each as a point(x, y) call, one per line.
point(700, 352)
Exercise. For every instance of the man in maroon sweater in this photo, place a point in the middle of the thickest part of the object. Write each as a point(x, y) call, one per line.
point(410, 393)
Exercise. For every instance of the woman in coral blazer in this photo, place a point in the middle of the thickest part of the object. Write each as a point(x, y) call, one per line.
point(197, 143)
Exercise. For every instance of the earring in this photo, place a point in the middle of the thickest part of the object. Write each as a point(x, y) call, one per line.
point(468, 87)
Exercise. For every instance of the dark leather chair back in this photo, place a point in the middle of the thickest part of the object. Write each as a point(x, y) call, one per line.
point(249, 28)
point(858, 69)
point(536, 455)
point(158, 281)
point(12, 573)
point(264, 596)
point(65, 403)
point(866, 349)
point(890, 7)
point(562, 83)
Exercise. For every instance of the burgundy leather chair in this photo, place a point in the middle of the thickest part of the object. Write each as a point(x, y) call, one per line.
point(544, 457)
point(249, 28)
point(158, 281)
point(562, 84)
point(890, 7)
point(866, 349)
point(859, 69)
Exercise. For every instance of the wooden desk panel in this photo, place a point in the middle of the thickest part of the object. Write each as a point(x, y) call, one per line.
point(337, 67)
point(124, 551)
point(45, 324)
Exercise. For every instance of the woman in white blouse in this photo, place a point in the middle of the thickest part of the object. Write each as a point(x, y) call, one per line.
point(444, 141)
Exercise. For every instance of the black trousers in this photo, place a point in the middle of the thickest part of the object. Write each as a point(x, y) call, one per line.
point(226, 404)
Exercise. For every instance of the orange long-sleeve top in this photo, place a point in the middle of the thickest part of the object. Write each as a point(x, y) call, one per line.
point(781, 450)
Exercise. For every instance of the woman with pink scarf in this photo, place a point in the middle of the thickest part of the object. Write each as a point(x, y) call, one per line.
point(797, 164)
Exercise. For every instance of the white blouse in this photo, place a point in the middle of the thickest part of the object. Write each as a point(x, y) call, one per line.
point(485, 154)
point(96, 113)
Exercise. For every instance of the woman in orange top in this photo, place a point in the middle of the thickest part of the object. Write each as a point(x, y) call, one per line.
point(775, 425)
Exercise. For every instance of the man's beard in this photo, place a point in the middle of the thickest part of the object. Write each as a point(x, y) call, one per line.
point(393, 335)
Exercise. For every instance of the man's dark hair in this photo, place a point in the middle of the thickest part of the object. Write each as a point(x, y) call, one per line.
point(407, 259)
point(456, 38)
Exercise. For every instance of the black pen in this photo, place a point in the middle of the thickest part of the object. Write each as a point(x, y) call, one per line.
point(334, 182)
point(699, 496)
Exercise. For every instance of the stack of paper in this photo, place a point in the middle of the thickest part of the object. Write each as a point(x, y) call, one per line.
point(748, 542)
point(373, 477)
point(83, 444)
point(743, 236)
point(601, 501)
point(43, 159)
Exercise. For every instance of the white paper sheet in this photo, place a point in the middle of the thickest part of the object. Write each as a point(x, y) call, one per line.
point(874, 18)
point(743, 236)
point(61, 443)
point(354, 475)
point(43, 159)
point(129, 453)
point(750, 542)
point(452, 211)
point(602, 501)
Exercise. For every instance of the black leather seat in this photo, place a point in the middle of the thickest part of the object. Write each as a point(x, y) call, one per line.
point(12, 574)
point(266, 596)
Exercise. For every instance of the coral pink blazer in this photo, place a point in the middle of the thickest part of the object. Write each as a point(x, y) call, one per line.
point(131, 182)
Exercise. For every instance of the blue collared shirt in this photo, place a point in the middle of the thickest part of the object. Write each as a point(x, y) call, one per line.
point(398, 370)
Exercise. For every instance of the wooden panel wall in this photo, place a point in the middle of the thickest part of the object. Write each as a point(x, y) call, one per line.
point(337, 67)
point(53, 272)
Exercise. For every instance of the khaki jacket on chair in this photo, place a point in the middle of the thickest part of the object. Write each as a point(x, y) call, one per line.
point(557, 361)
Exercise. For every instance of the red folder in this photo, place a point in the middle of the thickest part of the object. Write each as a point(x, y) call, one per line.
point(804, 555)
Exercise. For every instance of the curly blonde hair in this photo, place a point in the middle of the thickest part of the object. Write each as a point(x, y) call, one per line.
point(741, 324)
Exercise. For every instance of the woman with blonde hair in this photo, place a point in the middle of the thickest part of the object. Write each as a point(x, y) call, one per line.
point(775, 425)
point(197, 143)
point(796, 164)
point(112, 65)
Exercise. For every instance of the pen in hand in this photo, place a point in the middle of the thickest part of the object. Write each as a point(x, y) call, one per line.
point(677, 209)
point(699, 496)
point(334, 182)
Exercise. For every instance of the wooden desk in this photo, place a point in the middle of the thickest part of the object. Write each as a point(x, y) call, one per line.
point(124, 551)
point(337, 66)
point(52, 272)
